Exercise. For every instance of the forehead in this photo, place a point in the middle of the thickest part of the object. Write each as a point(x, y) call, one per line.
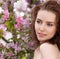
point(46, 15)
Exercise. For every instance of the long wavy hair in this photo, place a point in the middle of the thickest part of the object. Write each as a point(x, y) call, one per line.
point(51, 6)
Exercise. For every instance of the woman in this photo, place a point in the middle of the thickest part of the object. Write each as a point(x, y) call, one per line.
point(46, 30)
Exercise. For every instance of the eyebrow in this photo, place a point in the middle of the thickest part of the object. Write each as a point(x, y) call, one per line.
point(50, 22)
point(47, 21)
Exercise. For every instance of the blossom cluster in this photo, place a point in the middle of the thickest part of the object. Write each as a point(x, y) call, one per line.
point(15, 20)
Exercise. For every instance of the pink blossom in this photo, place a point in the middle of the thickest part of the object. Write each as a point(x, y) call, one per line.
point(13, 45)
point(17, 25)
point(6, 15)
point(16, 47)
point(5, 5)
point(26, 22)
point(9, 45)
point(19, 20)
point(1, 56)
point(10, 54)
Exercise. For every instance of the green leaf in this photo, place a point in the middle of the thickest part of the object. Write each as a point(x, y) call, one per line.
point(0, 16)
point(1, 31)
point(24, 57)
point(0, 4)
point(9, 25)
point(1, 49)
point(20, 53)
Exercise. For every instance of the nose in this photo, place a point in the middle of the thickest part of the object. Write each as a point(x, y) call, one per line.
point(42, 27)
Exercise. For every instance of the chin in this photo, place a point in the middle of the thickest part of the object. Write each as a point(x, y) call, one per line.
point(42, 39)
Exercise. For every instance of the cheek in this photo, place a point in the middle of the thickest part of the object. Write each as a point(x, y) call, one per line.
point(52, 31)
point(36, 27)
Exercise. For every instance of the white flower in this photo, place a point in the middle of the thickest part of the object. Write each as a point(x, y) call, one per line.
point(2, 42)
point(7, 35)
point(17, 13)
point(19, 8)
point(18, 36)
point(22, 14)
point(1, 10)
point(21, 5)
point(3, 27)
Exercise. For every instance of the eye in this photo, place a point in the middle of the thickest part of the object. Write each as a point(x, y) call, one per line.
point(49, 24)
point(39, 21)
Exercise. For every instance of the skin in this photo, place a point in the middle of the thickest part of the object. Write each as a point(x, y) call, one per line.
point(45, 27)
point(47, 51)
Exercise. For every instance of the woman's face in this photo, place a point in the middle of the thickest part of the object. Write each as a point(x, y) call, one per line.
point(45, 25)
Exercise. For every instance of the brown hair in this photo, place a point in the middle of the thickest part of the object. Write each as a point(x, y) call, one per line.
point(54, 7)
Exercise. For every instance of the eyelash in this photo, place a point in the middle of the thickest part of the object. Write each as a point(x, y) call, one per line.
point(39, 21)
point(49, 24)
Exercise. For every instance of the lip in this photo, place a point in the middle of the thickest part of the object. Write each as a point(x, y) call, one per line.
point(41, 34)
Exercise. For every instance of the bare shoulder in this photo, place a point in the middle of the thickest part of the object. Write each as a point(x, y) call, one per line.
point(37, 54)
point(48, 46)
point(49, 51)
